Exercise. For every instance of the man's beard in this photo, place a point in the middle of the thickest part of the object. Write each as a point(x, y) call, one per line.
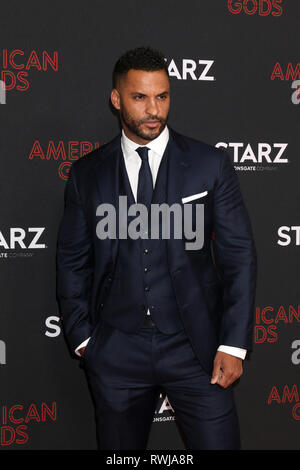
point(134, 126)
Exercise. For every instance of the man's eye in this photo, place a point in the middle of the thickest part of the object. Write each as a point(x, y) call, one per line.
point(162, 97)
point(139, 97)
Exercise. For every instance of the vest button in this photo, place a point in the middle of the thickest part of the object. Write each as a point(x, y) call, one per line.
point(146, 251)
point(147, 288)
point(146, 270)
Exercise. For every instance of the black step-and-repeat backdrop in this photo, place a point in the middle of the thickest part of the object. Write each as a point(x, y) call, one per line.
point(235, 78)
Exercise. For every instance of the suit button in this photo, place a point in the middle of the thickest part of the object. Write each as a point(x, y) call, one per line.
point(147, 288)
point(109, 279)
point(101, 305)
point(146, 251)
point(146, 270)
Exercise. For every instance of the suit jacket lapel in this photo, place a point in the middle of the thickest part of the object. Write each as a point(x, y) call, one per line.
point(176, 187)
point(177, 168)
point(107, 177)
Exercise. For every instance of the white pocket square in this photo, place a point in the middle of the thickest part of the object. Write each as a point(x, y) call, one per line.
point(194, 196)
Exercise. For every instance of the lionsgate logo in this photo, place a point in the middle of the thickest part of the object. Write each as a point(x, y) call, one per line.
point(262, 156)
point(164, 411)
point(17, 242)
point(159, 218)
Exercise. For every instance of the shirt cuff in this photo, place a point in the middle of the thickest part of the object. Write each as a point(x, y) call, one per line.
point(82, 345)
point(233, 351)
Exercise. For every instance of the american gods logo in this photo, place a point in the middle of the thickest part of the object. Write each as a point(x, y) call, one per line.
point(64, 153)
point(16, 66)
point(16, 420)
point(269, 320)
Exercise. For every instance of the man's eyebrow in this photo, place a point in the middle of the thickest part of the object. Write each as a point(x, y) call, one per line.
point(143, 94)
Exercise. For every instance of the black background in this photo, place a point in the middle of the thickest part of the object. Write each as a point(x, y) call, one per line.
point(242, 104)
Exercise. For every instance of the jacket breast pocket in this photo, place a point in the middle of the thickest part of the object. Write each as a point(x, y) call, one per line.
point(194, 197)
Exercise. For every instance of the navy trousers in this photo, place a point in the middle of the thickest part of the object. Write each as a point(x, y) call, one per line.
point(126, 373)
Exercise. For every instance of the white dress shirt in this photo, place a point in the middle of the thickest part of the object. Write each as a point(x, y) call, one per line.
point(133, 163)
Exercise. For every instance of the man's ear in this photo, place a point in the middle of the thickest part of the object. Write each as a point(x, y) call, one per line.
point(115, 98)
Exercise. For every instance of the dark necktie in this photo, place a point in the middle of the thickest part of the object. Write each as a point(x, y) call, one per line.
point(145, 183)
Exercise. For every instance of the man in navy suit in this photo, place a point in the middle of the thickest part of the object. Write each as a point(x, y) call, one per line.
point(147, 314)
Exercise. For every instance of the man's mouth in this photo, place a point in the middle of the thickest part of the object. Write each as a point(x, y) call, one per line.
point(152, 124)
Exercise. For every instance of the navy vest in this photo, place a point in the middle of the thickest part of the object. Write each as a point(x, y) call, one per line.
point(141, 278)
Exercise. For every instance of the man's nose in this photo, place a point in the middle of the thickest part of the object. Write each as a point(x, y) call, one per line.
point(152, 107)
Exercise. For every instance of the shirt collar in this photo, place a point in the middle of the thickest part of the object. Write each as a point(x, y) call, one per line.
point(158, 145)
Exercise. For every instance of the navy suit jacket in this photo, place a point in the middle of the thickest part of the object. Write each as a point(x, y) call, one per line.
point(214, 286)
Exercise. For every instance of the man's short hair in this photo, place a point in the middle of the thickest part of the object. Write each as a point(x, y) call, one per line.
point(140, 58)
